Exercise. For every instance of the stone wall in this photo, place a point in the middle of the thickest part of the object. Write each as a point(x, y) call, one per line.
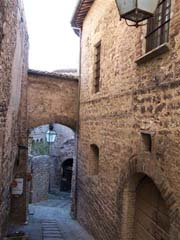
point(13, 71)
point(40, 180)
point(66, 151)
point(62, 149)
point(52, 98)
point(133, 99)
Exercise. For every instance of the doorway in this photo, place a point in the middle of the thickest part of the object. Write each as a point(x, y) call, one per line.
point(145, 214)
point(66, 175)
point(151, 213)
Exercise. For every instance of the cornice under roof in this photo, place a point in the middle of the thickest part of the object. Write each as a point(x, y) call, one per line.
point(80, 13)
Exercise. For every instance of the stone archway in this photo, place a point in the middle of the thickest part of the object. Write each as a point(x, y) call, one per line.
point(151, 220)
point(52, 97)
point(134, 169)
point(145, 214)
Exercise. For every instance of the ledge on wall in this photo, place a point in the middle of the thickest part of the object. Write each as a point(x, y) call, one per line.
point(152, 54)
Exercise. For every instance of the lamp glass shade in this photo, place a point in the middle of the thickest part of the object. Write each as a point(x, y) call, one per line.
point(126, 6)
point(148, 5)
point(50, 136)
point(136, 10)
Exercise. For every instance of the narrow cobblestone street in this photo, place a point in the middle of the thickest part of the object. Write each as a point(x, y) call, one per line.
point(50, 220)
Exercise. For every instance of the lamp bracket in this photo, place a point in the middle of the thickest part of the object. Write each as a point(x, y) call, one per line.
point(135, 24)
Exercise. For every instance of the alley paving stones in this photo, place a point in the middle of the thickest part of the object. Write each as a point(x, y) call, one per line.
point(51, 220)
point(51, 231)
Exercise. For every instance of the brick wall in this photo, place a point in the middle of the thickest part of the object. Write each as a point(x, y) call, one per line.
point(133, 98)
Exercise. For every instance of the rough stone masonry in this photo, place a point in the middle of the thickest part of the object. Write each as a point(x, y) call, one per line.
point(13, 107)
point(129, 136)
point(129, 131)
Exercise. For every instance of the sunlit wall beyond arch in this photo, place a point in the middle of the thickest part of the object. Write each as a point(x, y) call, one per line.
point(46, 160)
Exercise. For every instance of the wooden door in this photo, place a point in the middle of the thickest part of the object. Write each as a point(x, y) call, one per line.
point(151, 213)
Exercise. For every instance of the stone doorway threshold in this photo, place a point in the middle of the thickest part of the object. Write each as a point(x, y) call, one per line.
point(50, 220)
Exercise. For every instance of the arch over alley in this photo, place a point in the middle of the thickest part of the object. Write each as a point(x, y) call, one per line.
point(53, 98)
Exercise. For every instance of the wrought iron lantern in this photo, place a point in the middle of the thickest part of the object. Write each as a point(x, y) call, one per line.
point(51, 134)
point(136, 10)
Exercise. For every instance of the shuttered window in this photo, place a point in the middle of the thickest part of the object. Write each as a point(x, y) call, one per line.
point(97, 67)
point(158, 26)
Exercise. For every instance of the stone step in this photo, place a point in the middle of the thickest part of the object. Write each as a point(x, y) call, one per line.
point(51, 231)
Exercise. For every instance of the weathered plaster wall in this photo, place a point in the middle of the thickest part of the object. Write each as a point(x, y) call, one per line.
point(132, 98)
point(52, 98)
point(13, 71)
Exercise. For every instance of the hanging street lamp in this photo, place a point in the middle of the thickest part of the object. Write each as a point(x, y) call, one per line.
point(51, 134)
point(136, 10)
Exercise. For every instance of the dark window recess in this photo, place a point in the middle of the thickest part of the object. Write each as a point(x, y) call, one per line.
point(147, 141)
point(94, 160)
point(1, 21)
point(158, 26)
point(97, 67)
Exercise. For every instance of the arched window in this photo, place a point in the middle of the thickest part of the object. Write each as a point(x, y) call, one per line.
point(94, 160)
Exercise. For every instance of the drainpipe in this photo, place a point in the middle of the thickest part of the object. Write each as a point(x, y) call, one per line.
point(77, 125)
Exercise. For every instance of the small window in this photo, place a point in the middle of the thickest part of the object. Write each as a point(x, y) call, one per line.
point(94, 159)
point(97, 67)
point(158, 26)
point(1, 22)
point(147, 142)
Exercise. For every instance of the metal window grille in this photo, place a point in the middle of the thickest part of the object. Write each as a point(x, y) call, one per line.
point(158, 26)
point(97, 67)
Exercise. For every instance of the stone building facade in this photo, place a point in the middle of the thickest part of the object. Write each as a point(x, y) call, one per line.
point(127, 180)
point(13, 108)
point(128, 183)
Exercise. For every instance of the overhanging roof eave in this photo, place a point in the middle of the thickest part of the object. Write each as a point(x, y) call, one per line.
point(81, 11)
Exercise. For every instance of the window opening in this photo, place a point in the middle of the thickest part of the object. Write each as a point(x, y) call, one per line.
point(158, 26)
point(97, 67)
point(94, 160)
point(147, 141)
